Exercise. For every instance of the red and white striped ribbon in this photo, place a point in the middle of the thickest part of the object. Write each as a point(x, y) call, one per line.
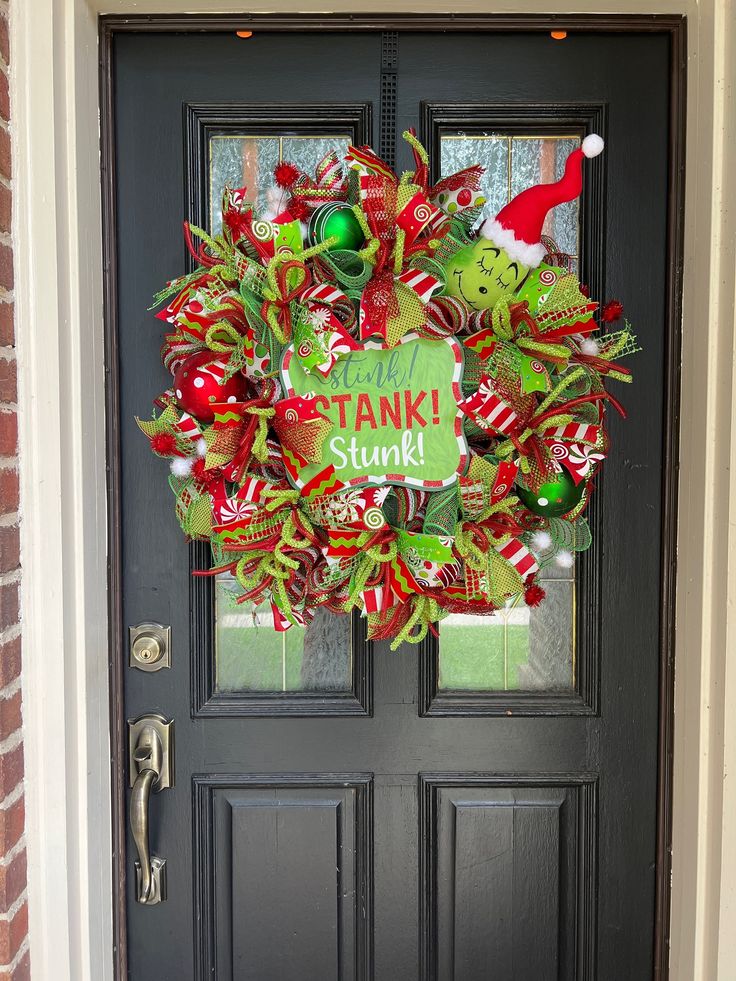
point(519, 556)
point(485, 405)
point(577, 432)
point(421, 283)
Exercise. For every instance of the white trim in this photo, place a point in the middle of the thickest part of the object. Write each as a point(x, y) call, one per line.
point(58, 285)
point(528, 253)
point(60, 358)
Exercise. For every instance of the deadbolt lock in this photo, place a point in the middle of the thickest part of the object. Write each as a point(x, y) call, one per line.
point(150, 647)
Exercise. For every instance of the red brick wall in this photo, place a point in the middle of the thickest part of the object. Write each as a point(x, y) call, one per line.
point(14, 956)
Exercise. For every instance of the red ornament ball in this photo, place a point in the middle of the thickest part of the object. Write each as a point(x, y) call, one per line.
point(199, 384)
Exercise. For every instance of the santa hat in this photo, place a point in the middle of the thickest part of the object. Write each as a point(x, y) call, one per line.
point(517, 227)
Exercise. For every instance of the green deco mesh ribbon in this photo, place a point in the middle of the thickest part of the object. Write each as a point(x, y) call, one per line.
point(441, 512)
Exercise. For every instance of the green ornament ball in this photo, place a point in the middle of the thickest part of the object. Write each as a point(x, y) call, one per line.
point(335, 219)
point(554, 498)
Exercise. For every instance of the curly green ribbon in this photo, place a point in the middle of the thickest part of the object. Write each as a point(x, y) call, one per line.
point(286, 277)
point(503, 326)
point(235, 347)
point(259, 448)
point(467, 548)
point(275, 565)
point(368, 564)
point(425, 611)
point(414, 143)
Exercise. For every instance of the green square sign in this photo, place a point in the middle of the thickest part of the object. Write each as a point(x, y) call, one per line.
point(394, 413)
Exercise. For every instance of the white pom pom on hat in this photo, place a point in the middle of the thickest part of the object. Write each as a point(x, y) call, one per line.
point(517, 227)
point(592, 145)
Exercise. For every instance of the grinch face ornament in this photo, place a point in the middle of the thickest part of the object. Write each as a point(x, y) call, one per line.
point(482, 273)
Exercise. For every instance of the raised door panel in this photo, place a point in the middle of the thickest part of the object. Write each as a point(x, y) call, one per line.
point(508, 880)
point(284, 877)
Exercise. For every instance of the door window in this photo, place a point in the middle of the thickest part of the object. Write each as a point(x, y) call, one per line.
point(517, 648)
point(252, 656)
point(245, 666)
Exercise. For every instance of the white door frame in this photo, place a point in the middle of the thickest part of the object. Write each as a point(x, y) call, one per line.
point(62, 403)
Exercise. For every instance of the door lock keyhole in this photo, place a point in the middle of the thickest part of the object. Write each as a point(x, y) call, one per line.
point(150, 647)
point(147, 649)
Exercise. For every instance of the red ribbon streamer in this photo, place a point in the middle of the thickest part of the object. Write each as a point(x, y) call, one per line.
point(287, 293)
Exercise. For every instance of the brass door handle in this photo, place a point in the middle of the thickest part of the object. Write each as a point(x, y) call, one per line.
point(139, 826)
point(150, 741)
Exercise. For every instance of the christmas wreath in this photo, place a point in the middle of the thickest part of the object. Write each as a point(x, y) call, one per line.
point(380, 400)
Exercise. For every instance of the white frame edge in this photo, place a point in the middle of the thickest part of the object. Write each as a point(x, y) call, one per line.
point(58, 257)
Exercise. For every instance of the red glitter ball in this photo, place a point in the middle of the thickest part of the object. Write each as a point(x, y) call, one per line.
point(464, 197)
point(286, 174)
point(298, 209)
point(205, 477)
point(612, 311)
point(164, 444)
point(533, 595)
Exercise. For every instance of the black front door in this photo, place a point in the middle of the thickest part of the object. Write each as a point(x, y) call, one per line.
point(481, 807)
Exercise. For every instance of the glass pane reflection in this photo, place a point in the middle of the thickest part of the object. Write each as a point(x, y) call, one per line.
point(249, 161)
point(514, 649)
point(251, 656)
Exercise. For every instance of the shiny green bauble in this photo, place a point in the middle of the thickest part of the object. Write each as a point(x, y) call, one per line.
point(335, 219)
point(554, 498)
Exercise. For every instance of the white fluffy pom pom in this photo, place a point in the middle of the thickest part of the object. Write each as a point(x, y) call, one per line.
point(181, 466)
point(275, 199)
point(541, 541)
point(565, 560)
point(592, 145)
point(590, 346)
point(201, 446)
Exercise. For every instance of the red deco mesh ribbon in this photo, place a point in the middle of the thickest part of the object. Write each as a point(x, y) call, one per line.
point(379, 298)
point(470, 177)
